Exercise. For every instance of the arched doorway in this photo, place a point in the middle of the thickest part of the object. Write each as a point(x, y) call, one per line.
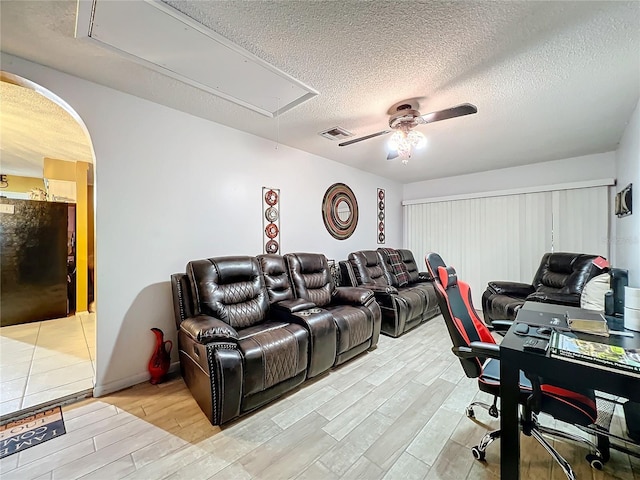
point(48, 306)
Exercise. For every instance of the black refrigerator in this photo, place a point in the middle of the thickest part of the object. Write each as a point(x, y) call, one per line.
point(34, 253)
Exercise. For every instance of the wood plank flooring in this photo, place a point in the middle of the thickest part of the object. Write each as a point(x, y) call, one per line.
point(394, 413)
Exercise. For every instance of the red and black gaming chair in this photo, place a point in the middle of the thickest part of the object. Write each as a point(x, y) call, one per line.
point(479, 355)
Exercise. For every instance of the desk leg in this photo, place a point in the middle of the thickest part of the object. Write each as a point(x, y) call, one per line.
point(509, 420)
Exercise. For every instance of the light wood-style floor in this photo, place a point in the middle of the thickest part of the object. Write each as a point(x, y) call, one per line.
point(394, 413)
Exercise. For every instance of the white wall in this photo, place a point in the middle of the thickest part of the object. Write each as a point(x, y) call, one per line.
point(577, 169)
point(626, 231)
point(171, 187)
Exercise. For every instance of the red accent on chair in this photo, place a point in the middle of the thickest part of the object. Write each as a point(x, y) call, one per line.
point(483, 331)
point(562, 394)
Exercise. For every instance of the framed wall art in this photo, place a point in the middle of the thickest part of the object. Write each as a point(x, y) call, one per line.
point(381, 204)
point(271, 220)
point(624, 202)
point(340, 211)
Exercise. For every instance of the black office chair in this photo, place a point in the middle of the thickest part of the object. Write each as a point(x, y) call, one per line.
point(479, 355)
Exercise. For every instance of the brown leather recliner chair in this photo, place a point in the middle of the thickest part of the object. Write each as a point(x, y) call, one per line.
point(234, 357)
point(355, 310)
point(403, 307)
point(560, 279)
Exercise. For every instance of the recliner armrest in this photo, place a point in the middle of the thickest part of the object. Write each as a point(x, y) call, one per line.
point(205, 329)
point(322, 337)
point(477, 349)
point(569, 299)
point(388, 289)
point(514, 289)
point(294, 305)
point(352, 295)
point(424, 277)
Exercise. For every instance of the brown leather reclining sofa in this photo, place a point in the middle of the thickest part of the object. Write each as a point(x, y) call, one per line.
point(406, 300)
point(252, 328)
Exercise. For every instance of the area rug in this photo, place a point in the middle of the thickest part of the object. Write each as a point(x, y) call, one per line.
point(30, 431)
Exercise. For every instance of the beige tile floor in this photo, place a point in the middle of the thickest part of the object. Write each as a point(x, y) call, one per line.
point(44, 361)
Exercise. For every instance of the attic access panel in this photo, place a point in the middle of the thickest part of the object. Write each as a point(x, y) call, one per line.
point(161, 38)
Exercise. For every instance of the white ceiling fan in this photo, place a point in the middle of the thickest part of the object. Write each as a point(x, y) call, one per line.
point(404, 117)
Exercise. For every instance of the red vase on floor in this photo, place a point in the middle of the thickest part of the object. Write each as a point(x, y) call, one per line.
point(161, 358)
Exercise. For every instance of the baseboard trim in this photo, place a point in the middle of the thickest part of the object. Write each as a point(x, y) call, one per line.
point(111, 387)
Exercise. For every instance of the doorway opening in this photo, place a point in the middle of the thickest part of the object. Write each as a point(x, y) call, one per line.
point(47, 300)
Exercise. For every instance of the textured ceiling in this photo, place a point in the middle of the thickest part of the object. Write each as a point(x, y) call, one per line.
point(33, 127)
point(550, 79)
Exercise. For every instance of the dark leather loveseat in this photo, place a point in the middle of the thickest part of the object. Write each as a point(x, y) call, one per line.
point(560, 279)
point(247, 334)
point(404, 304)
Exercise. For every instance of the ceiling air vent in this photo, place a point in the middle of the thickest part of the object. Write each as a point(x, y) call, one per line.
point(336, 133)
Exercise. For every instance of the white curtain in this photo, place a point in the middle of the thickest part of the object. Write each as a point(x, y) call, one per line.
point(580, 220)
point(504, 237)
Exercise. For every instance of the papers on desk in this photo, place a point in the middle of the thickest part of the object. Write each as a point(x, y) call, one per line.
point(593, 324)
point(592, 327)
point(600, 355)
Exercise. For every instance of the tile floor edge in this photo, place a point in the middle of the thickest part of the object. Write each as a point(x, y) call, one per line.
point(58, 402)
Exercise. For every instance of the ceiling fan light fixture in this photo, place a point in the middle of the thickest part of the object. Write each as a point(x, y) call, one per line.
point(404, 141)
point(404, 118)
point(416, 139)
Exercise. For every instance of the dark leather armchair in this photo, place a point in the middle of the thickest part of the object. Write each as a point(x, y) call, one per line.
point(354, 310)
point(560, 279)
point(403, 307)
point(234, 357)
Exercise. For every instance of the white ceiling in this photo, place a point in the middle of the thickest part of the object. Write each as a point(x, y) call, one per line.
point(551, 80)
point(33, 127)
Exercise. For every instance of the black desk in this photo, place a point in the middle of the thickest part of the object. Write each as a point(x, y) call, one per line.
point(513, 359)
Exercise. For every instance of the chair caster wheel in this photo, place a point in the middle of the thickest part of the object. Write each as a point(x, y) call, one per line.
point(478, 454)
point(493, 411)
point(470, 413)
point(595, 461)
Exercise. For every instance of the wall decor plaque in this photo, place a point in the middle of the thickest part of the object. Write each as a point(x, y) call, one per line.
point(380, 199)
point(340, 211)
point(271, 220)
point(624, 201)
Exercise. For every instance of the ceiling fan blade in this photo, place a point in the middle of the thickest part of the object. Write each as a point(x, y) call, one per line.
point(392, 154)
point(457, 111)
point(366, 137)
